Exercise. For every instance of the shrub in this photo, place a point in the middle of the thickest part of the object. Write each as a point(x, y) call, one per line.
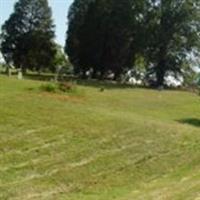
point(49, 87)
point(65, 86)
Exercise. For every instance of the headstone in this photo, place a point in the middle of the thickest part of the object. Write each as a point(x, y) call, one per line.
point(19, 75)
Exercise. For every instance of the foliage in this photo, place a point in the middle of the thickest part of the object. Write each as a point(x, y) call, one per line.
point(27, 36)
point(61, 59)
point(101, 35)
point(111, 35)
point(172, 33)
point(49, 87)
point(66, 87)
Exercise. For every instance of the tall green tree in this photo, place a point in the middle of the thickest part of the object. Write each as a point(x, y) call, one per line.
point(27, 36)
point(102, 34)
point(76, 18)
point(171, 30)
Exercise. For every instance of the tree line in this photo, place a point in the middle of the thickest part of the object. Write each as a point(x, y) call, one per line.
point(107, 35)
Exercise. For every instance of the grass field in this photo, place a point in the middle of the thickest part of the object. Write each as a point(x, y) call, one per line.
point(120, 144)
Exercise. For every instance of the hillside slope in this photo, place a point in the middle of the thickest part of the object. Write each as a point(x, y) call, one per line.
point(120, 144)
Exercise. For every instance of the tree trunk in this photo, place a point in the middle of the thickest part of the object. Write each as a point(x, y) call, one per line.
point(83, 75)
point(102, 76)
point(23, 69)
point(94, 74)
point(117, 74)
point(160, 74)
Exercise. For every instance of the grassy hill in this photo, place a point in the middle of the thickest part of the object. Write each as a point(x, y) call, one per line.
point(120, 144)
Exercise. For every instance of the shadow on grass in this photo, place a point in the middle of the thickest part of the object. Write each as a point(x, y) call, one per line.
point(190, 121)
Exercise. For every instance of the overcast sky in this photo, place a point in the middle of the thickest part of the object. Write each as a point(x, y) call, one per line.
point(59, 8)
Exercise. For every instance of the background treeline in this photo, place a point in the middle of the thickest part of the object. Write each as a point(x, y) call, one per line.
point(114, 35)
point(106, 36)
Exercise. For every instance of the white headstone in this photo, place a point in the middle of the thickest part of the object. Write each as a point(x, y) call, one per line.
point(19, 75)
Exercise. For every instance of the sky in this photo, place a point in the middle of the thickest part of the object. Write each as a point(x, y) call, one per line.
point(59, 9)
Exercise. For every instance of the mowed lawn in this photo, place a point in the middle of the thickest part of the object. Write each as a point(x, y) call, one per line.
point(119, 144)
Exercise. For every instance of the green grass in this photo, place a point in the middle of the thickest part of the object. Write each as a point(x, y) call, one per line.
point(120, 144)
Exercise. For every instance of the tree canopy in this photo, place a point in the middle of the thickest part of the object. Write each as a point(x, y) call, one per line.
point(172, 34)
point(27, 36)
point(111, 34)
point(101, 34)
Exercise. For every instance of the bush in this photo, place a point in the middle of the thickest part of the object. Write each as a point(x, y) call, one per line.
point(49, 87)
point(65, 86)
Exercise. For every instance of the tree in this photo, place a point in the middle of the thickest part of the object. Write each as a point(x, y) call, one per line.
point(102, 35)
point(172, 33)
point(27, 36)
point(61, 60)
point(76, 17)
